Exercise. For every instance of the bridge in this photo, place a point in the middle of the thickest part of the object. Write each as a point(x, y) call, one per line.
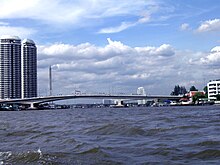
point(35, 101)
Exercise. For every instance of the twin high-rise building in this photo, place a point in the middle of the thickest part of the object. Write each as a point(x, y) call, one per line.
point(29, 69)
point(18, 68)
point(10, 67)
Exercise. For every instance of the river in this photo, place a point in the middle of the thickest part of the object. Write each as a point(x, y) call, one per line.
point(147, 135)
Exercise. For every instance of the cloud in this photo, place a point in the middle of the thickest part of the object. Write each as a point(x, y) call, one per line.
point(76, 14)
point(164, 50)
point(91, 67)
point(209, 25)
point(17, 31)
point(213, 58)
point(4, 23)
point(143, 18)
point(184, 27)
point(70, 12)
point(123, 26)
point(81, 13)
point(52, 11)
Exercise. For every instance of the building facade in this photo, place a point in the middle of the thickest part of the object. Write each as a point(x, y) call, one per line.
point(29, 69)
point(141, 91)
point(213, 89)
point(10, 67)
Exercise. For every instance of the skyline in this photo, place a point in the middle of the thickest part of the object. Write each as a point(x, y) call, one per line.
point(96, 46)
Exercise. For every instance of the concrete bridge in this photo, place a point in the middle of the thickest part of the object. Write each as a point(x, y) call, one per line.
point(35, 101)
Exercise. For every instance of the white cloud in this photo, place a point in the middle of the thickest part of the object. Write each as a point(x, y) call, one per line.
point(163, 50)
point(79, 12)
point(184, 27)
point(90, 67)
point(215, 49)
point(209, 25)
point(82, 13)
point(50, 10)
point(116, 65)
point(213, 58)
point(4, 23)
point(16, 31)
point(144, 18)
point(71, 12)
point(123, 26)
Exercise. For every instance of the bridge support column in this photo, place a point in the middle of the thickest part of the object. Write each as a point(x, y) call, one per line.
point(119, 103)
point(32, 106)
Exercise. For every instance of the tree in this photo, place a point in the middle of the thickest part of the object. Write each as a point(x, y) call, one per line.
point(197, 96)
point(205, 89)
point(179, 90)
point(193, 88)
point(218, 97)
point(183, 90)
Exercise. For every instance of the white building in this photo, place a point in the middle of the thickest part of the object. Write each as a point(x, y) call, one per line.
point(141, 91)
point(10, 67)
point(213, 89)
point(108, 102)
point(29, 69)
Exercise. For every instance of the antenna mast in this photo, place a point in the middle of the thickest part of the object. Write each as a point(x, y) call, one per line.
point(50, 80)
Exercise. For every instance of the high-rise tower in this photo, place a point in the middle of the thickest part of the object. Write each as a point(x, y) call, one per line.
point(10, 67)
point(29, 69)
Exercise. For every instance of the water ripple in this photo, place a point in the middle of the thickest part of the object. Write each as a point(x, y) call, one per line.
point(147, 135)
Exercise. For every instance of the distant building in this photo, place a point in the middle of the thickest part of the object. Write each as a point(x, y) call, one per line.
point(10, 67)
point(213, 89)
point(108, 102)
point(29, 69)
point(141, 91)
point(193, 93)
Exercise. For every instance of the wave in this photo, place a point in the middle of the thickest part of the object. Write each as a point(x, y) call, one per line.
point(208, 143)
point(116, 129)
point(206, 154)
point(4, 126)
point(22, 133)
point(29, 157)
point(93, 150)
point(4, 156)
point(129, 130)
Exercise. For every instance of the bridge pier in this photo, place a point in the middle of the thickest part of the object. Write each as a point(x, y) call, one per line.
point(32, 106)
point(119, 103)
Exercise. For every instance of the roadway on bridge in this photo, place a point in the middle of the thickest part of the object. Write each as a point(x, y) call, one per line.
point(37, 100)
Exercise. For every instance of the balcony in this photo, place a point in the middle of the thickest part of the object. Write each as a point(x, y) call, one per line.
point(211, 85)
point(212, 89)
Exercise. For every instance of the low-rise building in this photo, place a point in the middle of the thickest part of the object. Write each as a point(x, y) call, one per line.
point(195, 94)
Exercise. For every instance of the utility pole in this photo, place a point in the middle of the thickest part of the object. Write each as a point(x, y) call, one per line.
point(50, 80)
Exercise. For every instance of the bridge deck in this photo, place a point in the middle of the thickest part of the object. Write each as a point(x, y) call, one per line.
point(91, 96)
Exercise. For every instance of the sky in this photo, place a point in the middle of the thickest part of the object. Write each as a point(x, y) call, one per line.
point(116, 46)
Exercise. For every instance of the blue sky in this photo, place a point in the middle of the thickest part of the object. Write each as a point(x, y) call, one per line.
point(97, 45)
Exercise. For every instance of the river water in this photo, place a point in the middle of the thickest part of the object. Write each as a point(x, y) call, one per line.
point(149, 135)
